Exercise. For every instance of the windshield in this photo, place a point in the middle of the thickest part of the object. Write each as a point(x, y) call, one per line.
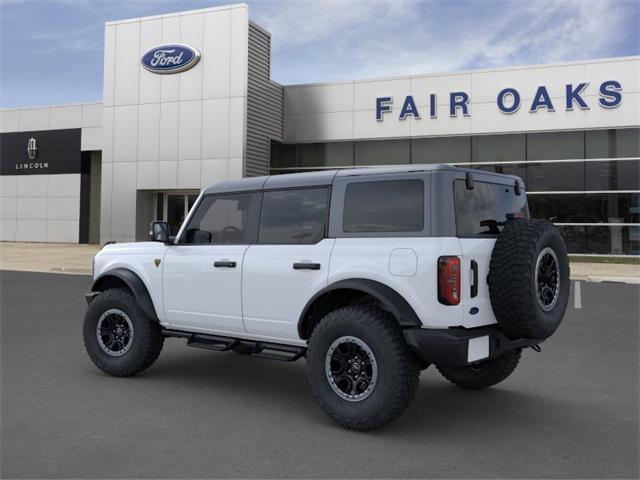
point(483, 210)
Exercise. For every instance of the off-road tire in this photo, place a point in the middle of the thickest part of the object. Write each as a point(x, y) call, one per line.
point(398, 370)
point(484, 374)
point(146, 343)
point(512, 279)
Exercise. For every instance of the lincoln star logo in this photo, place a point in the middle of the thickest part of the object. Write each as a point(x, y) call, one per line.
point(172, 58)
point(32, 149)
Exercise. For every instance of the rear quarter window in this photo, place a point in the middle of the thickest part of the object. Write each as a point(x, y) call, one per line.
point(486, 202)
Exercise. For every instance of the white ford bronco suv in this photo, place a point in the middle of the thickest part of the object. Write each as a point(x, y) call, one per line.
point(370, 274)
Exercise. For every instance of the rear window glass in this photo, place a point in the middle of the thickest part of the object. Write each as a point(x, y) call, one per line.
point(384, 206)
point(487, 203)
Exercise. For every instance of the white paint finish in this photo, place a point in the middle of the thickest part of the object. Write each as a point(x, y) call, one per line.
point(627, 114)
point(62, 231)
point(365, 92)
point(125, 134)
point(236, 168)
point(442, 85)
point(127, 66)
point(319, 99)
point(123, 200)
point(319, 127)
point(168, 174)
point(91, 138)
point(213, 171)
point(199, 295)
point(189, 174)
point(8, 208)
point(170, 84)
point(8, 185)
point(554, 78)
point(239, 51)
point(577, 295)
point(63, 208)
point(150, 36)
point(149, 132)
point(237, 127)
point(31, 230)
point(478, 348)
point(403, 262)
point(368, 258)
point(191, 29)
point(91, 115)
point(66, 116)
point(32, 185)
point(32, 208)
point(443, 125)
point(8, 230)
point(216, 54)
point(273, 293)
point(147, 175)
point(33, 119)
point(627, 72)
point(483, 120)
point(169, 131)
point(215, 128)
point(391, 126)
point(478, 249)
point(559, 120)
point(190, 130)
point(108, 82)
point(485, 86)
point(63, 185)
point(9, 120)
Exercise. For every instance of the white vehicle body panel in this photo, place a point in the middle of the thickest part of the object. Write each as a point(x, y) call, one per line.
point(478, 249)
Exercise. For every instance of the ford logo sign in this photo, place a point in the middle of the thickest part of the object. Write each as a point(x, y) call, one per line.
point(172, 58)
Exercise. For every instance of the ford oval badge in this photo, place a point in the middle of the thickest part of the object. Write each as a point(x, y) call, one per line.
point(171, 58)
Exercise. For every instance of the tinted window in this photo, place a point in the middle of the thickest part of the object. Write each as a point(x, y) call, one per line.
point(555, 176)
point(441, 150)
point(487, 201)
point(294, 216)
point(223, 219)
point(383, 152)
point(384, 206)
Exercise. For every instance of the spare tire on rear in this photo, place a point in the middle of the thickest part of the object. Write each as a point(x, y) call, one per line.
point(529, 279)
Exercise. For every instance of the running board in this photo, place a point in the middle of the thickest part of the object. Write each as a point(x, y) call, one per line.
point(274, 351)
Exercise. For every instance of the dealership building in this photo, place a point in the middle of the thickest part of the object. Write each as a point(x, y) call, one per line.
point(188, 101)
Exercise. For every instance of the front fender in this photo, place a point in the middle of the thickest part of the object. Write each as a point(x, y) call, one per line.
point(135, 284)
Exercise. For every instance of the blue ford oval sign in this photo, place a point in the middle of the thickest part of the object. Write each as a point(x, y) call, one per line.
point(172, 58)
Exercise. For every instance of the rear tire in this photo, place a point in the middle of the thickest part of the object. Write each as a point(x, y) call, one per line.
point(366, 341)
point(118, 337)
point(484, 374)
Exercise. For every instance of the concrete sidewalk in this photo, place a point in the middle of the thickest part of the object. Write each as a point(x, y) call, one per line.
point(73, 258)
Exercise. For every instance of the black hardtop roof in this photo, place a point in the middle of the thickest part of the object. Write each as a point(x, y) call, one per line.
point(326, 177)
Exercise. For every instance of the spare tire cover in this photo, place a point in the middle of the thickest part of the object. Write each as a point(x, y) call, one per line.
point(529, 279)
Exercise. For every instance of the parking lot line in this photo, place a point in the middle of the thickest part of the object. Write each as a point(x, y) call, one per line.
point(577, 295)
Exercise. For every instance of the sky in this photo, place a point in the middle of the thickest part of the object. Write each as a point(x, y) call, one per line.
point(51, 51)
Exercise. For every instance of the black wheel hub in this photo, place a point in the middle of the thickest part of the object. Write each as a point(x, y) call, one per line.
point(351, 369)
point(114, 332)
point(547, 279)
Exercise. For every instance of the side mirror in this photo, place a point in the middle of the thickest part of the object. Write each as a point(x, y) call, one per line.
point(159, 231)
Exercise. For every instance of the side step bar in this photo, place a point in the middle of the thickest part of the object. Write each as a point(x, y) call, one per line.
point(275, 351)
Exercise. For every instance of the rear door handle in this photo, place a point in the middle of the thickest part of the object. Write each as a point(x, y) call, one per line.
point(474, 272)
point(306, 266)
point(224, 263)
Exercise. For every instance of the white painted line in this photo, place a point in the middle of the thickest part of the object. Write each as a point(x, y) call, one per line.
point(604, 278)
point(577, 295)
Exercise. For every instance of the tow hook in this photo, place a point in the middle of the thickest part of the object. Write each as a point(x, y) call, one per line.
point(536, 348)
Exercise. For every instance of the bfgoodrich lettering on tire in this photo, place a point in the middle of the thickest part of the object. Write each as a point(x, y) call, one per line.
point(118, 337)
point(529, 279)
point(359, 367)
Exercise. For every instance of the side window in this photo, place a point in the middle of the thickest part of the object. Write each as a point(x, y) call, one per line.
point(384, 206)
point(294, 216)
point(223, 219)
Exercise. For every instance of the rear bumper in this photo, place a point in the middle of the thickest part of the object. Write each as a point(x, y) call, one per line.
point(460, 346)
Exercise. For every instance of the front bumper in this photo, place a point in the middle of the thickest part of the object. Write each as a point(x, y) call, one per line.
point(455, 347)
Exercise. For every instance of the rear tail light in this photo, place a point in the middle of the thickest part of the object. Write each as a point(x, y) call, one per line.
point(449, 280)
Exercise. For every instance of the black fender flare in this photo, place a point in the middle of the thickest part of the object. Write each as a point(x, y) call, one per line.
point(387, 296)
point(135, 284)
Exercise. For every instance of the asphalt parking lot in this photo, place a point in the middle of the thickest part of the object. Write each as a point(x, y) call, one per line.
point(570, 411)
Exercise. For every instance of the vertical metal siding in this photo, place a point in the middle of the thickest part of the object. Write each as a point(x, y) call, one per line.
point(265, 105)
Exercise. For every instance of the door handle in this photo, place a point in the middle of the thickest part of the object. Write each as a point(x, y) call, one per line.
point(224, 263)
point(306, 266)
point(474, 272)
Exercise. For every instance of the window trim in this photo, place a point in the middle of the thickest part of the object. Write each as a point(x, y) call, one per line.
point(325, 233)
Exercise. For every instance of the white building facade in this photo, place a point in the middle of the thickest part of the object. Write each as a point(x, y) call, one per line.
point(100, 172)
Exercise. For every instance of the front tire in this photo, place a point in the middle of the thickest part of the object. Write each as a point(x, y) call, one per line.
point(118, 337)
point(360, 370)
point(484, 374)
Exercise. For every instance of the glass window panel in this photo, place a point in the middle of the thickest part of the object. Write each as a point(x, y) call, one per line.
point(401, 211)
point(517, 169)
point(574, 238)
point(175, 212)
point(294, 216)
point(338, 154)
point(283, 155)
point(560, 208)
point(612, 240)
point(555, 145)
point(549, 177)
point(310, 155)
point(160, 206)
point(613, 207)
point(487, 201)
point(613, 175)
point(382, 152)
point(222, 219)
point(624, 142)
point(499, 148)
point(441, 150)
point(628, 142)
